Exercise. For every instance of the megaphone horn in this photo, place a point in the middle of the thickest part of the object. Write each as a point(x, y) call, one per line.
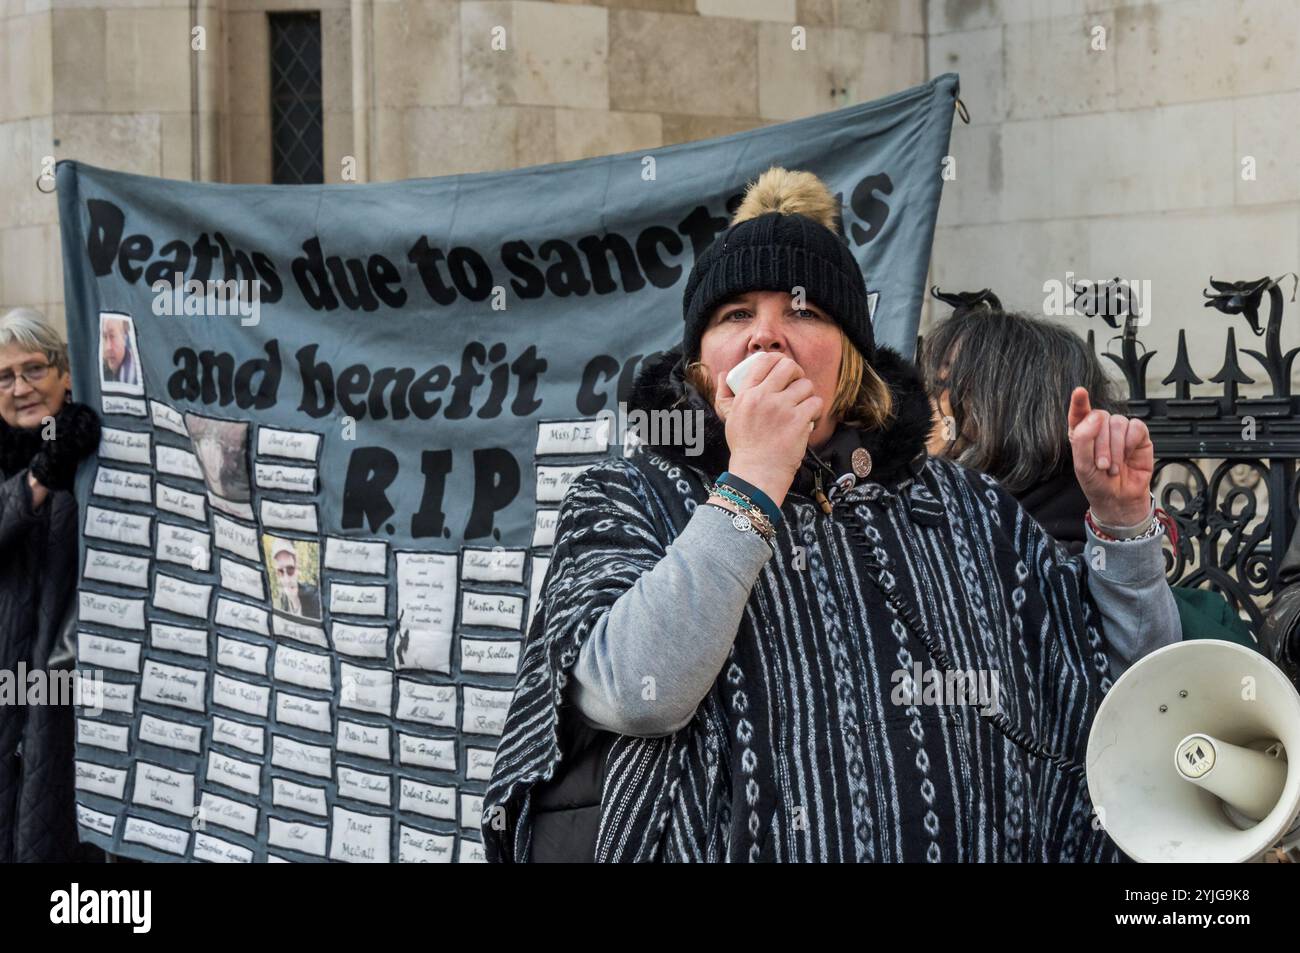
point(1194, 756)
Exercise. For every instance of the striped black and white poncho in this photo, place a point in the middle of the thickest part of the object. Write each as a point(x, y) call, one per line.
point(798, 752)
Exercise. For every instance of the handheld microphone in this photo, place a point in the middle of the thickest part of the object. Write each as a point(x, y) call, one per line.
point(738, 376)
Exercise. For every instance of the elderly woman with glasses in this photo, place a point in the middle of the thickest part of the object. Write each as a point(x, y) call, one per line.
point(43, 436)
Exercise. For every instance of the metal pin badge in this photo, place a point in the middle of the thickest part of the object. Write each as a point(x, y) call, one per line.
point(861, 463)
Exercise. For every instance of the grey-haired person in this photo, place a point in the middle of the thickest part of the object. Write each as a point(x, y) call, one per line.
point(43, 437)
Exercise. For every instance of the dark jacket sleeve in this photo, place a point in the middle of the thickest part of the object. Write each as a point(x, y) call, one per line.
point(605, 538)
point(16, 513)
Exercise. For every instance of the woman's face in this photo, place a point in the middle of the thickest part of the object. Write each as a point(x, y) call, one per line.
point(768, 321)
point(26, 404)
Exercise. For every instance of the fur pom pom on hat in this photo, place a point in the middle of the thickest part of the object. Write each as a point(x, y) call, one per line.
point(784, 235)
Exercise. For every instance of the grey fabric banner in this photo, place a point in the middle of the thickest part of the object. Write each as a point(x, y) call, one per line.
point(320, 513)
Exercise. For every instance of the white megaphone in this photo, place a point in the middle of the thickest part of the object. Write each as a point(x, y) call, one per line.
point(1194, 756)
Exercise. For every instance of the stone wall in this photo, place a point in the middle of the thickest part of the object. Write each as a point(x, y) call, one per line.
point(110, 83)
point(1126, 161)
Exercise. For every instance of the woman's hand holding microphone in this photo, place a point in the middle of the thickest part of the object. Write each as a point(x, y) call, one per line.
point(769, 421)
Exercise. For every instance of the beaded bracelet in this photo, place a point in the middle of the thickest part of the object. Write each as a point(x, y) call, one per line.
point(765, 503)
point(1153, 528)
point(747, 524)
point(748, 509)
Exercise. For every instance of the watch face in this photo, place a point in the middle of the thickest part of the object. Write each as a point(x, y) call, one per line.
point(742, 523)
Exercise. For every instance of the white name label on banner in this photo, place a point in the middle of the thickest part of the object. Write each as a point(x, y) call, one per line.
point(366, 689)
point(492, 565)
point(172, 499)
point(233, 773)
point(240, 615)
point(168, 418)
point(573, 436)
point(299, 797)
point(299, 516)
point(243, 579)
point(478, 763)
point(184, 546)
point(178, 638)
point(235, 538)
point(298, 756)
point(357, 600)
point(173, 685)
point(494, 655)
point(554, 482)
point(118, 404)
point(117, 568)
point(485, 710)
point(544, 527)
point(364, 786)
point(432, 800)
point(99, 650)
point(127, 446)
point(372, 741)
point(227, 812)
point(179, 462)
point(244, 656)
point(492, 609)
point(164, 789)
point(360, 838)
point(100, 779)
point(436, 753)
point(123, 485)
point(279, 476)
point(170, 734)
point(427, 704)
point(99, 608)
point(250, 738)
point(426, 591)
point(308, 669)
point(102, 734)
point(420, 847)
point(214, 850)
point(242, 696)
point(356, 555)
point(157, 836)
point(313, 713)
point(294, 835)
point(287, 443)
point(118, 526)
point(181, 597)
point(298, 631)
point(364, 641)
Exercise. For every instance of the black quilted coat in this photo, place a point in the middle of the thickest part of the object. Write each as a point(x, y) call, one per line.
point(38, 584)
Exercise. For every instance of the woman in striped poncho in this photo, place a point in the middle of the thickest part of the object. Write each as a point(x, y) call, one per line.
point(805, 640)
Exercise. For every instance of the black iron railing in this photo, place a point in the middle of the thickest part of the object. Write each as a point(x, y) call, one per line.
point(1225, 463)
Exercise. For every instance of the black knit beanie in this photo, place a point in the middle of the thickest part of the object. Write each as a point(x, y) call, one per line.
point(776, 251)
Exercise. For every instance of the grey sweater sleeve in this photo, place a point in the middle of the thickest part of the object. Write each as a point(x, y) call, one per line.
point(1127, 582)
point(653, 657)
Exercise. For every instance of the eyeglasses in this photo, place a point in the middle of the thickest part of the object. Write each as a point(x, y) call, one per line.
point(32, 374)
point(285, 570)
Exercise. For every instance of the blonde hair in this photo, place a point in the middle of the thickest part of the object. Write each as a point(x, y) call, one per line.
point(862, 398)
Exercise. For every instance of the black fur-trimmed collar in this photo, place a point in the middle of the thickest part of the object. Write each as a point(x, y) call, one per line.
point(17, 447)
point(897, 450)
